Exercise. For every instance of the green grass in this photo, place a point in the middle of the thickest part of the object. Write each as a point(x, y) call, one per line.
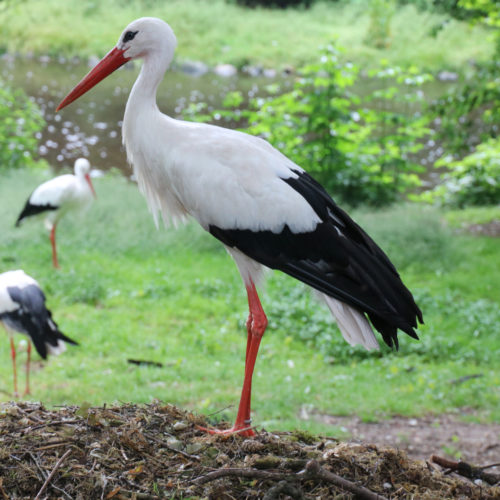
point(126, 290)
point(215, 31)
point(473, 215)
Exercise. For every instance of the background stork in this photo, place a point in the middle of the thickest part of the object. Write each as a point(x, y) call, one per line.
point(54, 198)
point(22, 309)
point(266, 210)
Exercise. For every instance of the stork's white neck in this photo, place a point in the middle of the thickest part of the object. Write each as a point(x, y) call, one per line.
point(142, 97)
point(147, 136)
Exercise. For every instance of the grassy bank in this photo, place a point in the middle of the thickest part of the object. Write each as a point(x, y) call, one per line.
point(126, 290)
point(215, 31)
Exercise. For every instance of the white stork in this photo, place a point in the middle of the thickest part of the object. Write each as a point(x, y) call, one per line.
point(58, 196)
point(266, 210)
point(22, 309)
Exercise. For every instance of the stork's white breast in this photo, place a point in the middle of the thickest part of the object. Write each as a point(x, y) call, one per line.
point(219, 176)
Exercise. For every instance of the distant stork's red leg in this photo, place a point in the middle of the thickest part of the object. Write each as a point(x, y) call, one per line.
point(14, 369)
point(28, 359)
point(54, 251)
point(256, 326)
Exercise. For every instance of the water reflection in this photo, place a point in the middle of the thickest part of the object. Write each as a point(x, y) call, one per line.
point(91, 127)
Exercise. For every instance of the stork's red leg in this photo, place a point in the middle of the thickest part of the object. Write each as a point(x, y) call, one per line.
point(28, 359)
point(256, 326)
point(55, 263)
point(14, 369)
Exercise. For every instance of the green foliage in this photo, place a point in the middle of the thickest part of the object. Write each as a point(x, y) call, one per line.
point(20, 120)
point(379, 32)
point(467, 117)
point(485, 11)
point(473, 180)
point(282, 4)
point(358, 146)
point(463, 217)
point(469, 113)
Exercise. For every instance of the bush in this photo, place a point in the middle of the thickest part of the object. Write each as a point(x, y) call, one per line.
point(473, 180)
point(469, 113)
point(358, 147)
point(379, 31)
point(20, 120)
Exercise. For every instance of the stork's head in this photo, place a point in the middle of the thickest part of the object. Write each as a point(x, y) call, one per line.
point(144, 37)
point(82, 170)
point(82, 166)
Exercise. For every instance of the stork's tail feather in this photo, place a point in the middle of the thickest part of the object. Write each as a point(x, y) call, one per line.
point(390, 332)
point(20, 218)
point(26, 211)
point(353, 325)
point(52, 340)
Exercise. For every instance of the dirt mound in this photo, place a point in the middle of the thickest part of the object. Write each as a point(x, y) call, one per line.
point(157, 451)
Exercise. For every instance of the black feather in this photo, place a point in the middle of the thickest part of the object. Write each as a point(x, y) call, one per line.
point(30, 210)
point(33, 318)
point(337, 258)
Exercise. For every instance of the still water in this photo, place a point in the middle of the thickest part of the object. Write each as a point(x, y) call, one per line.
point(91, 126)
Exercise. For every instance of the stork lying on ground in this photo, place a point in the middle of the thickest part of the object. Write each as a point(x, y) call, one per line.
point(58, 196)
point(266, 210)
point(22, 309)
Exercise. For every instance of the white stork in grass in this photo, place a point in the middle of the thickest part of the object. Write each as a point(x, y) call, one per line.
point(54, 198)
point(22, 310)
point(266, 210)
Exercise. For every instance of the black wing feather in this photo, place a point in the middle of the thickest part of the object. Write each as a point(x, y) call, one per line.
point(30, 209)
point(33, 318)
point(337, 258)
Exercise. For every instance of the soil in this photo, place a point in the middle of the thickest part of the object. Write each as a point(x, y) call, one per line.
point(158, 451)
point(420, 438)
point(491, 229)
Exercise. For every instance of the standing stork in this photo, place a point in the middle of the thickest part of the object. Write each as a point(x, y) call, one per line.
point(58, 196)
point(265, 209)
point(22, 309)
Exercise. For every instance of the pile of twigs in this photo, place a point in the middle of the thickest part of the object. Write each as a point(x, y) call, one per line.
point(157, 451)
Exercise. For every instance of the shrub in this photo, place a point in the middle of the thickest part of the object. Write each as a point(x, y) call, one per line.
point(20, 120)
point(469, 113)
point(379, 31)
point(473, 180)
point(359, 146)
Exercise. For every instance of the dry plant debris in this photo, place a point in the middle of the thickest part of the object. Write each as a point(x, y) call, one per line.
point(156, 451)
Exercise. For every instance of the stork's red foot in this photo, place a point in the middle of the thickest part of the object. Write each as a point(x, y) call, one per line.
point(242, 431)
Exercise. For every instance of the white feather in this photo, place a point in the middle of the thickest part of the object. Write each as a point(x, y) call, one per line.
point(58, 349)
point(352, 324)
point(250, 270)
point(67, 192)
point(218, 176)
point(9, 279)
point(21, 280)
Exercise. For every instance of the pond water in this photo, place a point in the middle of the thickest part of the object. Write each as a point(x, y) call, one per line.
point(91, 126)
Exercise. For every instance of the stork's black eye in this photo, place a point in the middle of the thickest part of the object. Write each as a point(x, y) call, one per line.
point(129, 35)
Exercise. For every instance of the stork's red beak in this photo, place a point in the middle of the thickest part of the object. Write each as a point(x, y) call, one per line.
point(87, 178)
point(109, 63)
